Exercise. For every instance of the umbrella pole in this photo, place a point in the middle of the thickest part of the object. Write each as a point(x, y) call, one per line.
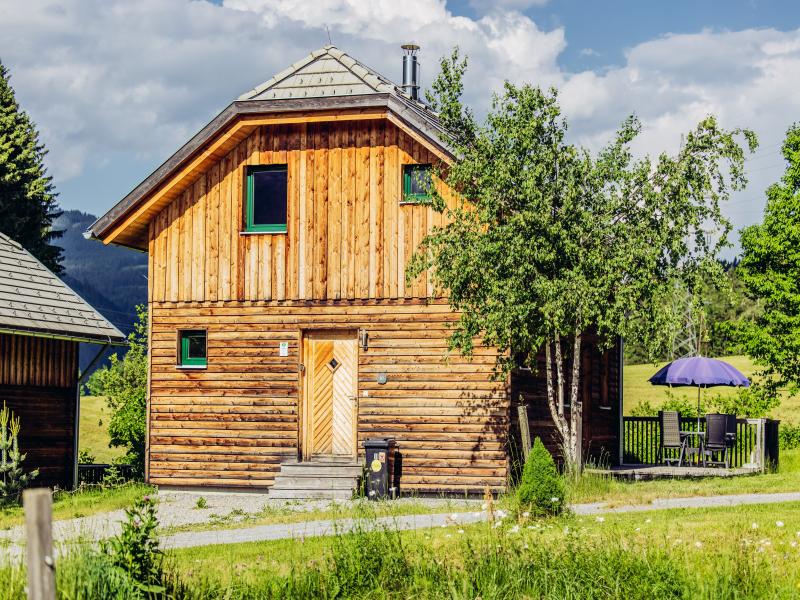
point(699, 389)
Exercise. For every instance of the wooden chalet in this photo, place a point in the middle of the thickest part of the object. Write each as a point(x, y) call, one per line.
point(284, 331)
point(42, 323)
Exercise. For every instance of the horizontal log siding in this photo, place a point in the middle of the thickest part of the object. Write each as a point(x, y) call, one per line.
point(38, 383)
point(232, 424)
point(348, 234)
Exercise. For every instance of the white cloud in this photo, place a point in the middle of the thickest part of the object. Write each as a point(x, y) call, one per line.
point(112, 78)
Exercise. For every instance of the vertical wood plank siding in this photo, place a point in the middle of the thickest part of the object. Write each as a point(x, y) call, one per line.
point(38, 378)
point(233, 423)
point(348, 235)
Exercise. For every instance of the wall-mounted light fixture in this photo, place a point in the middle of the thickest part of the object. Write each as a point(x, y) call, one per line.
point(363, 339)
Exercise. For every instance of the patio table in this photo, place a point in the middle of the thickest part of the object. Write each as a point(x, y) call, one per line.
point(698, 448)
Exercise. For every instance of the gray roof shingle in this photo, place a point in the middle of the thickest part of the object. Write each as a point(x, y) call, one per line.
point(35, 301)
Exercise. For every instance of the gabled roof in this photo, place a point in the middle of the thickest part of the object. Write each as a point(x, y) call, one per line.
point(326, 80)
point(33, 301)
point(323, 73)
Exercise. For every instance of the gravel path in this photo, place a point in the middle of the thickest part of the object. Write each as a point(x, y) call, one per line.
point(696, 502)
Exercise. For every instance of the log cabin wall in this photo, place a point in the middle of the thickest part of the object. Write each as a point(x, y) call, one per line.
point(232, 423)
point(349, 236)
point(599, 393)
point(38, 382)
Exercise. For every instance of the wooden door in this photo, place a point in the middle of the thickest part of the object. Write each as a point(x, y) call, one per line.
point(330, 394)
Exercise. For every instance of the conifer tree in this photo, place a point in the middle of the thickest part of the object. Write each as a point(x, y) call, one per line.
point(27, 197)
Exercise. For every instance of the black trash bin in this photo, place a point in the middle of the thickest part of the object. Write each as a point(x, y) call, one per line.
point(383, 468)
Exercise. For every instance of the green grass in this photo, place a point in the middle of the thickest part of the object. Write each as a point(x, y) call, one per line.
point(636, 389)
point(713, 553)
point(82, 503)
point(95, 415)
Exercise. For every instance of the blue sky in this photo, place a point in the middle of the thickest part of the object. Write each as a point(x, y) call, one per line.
point(116, 86)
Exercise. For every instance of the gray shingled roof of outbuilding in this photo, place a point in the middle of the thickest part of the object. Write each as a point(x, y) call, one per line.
point(34, 301)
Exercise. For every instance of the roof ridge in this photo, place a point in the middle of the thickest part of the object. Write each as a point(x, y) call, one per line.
point(370, 78)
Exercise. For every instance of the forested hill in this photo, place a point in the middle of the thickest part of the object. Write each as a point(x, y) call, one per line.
point(110, 278)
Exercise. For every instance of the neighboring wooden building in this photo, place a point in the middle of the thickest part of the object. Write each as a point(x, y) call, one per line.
point(283, 326)
point(42, 322)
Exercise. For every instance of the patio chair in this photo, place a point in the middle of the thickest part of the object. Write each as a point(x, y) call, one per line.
point(671, 438)
point(716, 442)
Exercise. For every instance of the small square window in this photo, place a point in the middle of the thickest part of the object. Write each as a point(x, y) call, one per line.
point(193, 348)
point(266, 199)
point(416, 182)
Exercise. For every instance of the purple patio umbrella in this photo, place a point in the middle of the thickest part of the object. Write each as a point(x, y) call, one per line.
point(699, 371)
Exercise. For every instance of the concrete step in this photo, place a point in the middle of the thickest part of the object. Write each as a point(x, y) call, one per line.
point(315, 470)
point(333, 478)
point(310, 494)
point(310, 482)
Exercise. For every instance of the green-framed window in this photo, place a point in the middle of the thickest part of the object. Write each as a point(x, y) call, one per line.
point(193, 348)
point(416, 182)
point(265, 194)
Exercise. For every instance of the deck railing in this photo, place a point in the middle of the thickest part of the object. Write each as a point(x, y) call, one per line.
point(756, 441)
point(95, 473)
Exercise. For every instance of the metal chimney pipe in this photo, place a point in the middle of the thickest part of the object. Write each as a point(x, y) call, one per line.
point(410, 71)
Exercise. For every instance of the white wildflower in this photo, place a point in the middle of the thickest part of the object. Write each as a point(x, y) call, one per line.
point(600, 519)
point(698, 544)
point(484, 506)
point(501, 514)
point(514, 529)
point(778, 523)
point(554, 499)
point(526, 514)
point(497, 524)
point(793, 544)
point(754, 526)
point(638, 529)
point(460, 531)
point(448, 536)
point(648, 520)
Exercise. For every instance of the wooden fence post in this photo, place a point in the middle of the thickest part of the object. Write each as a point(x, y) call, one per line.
point(524, 430)
point(38, 505)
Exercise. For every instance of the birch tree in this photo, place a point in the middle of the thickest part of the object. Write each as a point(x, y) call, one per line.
point(549, 241)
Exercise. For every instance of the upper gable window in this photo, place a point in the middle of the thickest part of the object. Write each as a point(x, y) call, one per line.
point(416, 182)
point(266, 199)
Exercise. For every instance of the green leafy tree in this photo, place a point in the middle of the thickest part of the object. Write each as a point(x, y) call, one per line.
point(27, 198)
point(124, 384)
point(13, 477)
point(770, 270)
point(548, 242)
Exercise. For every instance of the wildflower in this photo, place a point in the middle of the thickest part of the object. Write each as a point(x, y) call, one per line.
point(698, 544)
point(448, 536)
point(525, 546)
point(531, 527)
point(497, 524)
point(648, 520)
point(526, 514)
point(638, 529)
point(754, 526)
point(554, 499)
point(778, 523)
point(514, 529)
point(793, 544)
point(600, 519)
point(501, 514)
point(460, 531)
point(484, 506)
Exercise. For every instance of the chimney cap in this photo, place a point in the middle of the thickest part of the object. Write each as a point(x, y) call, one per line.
point(411, 47)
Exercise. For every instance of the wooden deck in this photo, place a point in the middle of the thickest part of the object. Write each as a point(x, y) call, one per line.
point(649, 472)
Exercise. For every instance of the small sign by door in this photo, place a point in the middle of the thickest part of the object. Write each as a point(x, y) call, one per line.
point(283, 349)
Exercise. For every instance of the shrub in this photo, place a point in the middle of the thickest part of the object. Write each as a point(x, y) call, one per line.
point(13, 478)
point(541, 489)
point(789, 436)
point(85, 457)
point(135, 549)
point(201, 503)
